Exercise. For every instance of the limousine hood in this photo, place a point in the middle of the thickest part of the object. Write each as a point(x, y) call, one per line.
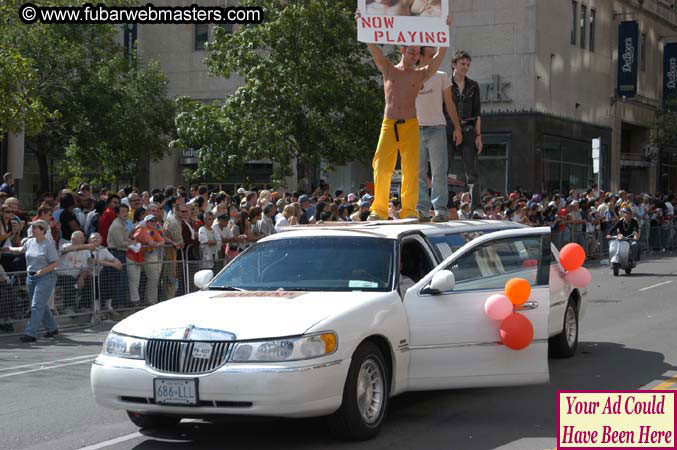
point(214, 315)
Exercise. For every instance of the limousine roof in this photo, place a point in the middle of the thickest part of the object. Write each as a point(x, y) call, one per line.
point(392, 229)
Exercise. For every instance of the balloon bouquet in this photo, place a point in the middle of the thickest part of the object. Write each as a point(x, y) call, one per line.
point(516, 330)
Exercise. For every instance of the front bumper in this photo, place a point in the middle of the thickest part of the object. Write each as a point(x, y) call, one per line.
point(300, 389)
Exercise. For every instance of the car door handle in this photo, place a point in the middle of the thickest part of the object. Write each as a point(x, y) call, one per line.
point(532, 304)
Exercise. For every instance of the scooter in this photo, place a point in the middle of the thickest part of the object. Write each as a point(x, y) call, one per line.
point(619, 254)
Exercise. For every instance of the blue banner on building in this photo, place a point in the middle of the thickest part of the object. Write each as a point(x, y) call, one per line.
point(130, 35)
point(669, 71)
point(628, 40)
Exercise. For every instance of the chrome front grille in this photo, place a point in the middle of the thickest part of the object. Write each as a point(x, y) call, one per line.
point(177, 356)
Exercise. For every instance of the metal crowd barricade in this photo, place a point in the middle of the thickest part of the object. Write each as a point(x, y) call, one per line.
point(74, 300)
point(194, 262)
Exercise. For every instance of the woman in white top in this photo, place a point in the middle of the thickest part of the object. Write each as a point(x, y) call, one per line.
point(288, 212)
point(210, 242)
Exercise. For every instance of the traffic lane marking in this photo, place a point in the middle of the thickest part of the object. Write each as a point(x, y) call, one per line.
point(655, 286)
point(45, 363)
point(665, 384)
point(114, 441)
point(127, 437)
point(47, 368)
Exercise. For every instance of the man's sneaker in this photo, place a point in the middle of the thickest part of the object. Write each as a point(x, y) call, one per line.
point(439, 218)
point(51, 334)
point(27, 338)
point(423, 218)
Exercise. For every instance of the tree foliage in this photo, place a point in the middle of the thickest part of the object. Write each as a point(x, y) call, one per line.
point(98, 112)
point(20, 109)
point(309, 92)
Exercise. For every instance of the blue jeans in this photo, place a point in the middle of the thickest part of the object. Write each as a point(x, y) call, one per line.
point(39, 290)
point(433, 149)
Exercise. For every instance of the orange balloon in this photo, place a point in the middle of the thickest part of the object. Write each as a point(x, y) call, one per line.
point(517, 332)
point(572, 257)
point(518, 290)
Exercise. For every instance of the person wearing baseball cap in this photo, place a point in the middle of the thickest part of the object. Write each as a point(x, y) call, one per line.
point(304, 201)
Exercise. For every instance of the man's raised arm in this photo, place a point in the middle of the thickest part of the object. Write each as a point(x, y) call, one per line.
point(436, 62)
point(379, 58)
point(432, 68)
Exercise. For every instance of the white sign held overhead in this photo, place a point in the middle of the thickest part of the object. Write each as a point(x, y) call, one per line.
point(407, 22)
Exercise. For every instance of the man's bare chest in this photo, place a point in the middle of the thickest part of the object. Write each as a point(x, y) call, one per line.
point(404, 80)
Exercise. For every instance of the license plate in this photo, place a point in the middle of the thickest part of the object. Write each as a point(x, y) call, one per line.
point(202, 350)
point(175, 392)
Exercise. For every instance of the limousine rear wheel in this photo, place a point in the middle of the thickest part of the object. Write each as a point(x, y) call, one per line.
point(365, 396)
point(143, 420)
point(564, 344)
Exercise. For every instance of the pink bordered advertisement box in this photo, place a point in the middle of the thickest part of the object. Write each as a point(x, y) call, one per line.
point(616, 419)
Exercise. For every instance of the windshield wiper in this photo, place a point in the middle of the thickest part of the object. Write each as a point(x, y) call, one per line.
point(224, 288)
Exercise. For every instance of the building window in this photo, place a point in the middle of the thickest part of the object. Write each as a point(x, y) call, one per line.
point(567, 164)
point(591, 47)
point(227, 27)
point(201, 35)
point(493, 163)
point(574, 23)
point(584, 13)
point(642, 53)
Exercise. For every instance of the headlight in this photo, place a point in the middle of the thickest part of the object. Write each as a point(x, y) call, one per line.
point(287, 349)
point(122, 346)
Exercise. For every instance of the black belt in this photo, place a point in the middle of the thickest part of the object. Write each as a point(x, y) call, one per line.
point(397, 135)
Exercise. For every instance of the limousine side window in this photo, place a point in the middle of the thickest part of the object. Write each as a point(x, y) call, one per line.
point(492, 264)
point(449, 243)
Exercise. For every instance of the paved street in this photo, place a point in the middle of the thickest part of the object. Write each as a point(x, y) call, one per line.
point(627, 342)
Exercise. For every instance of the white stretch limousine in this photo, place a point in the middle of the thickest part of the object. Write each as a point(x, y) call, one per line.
point(313, 322)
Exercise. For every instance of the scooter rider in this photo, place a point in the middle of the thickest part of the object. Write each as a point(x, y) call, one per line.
point(628, 227)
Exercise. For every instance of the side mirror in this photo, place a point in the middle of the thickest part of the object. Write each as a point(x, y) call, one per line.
point(442, 281)
point(202, 278)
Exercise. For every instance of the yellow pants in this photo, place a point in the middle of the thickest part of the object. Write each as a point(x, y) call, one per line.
point(384, 164)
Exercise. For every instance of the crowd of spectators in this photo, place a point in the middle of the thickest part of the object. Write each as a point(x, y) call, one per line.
point(121, 234)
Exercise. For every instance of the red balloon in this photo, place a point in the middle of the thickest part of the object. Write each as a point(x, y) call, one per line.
point(572, 257)
point(517, 332)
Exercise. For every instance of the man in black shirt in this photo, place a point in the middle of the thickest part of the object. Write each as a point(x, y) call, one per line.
point(628, 227)
point(466, 96)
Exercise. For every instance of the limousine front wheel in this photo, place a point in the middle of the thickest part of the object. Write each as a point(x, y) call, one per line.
point(365, 396)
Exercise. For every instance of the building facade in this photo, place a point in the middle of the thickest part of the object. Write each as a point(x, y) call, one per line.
point(548, 72)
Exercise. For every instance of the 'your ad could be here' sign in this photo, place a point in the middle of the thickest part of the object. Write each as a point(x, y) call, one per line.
point(404, 22)
point(616, 419)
